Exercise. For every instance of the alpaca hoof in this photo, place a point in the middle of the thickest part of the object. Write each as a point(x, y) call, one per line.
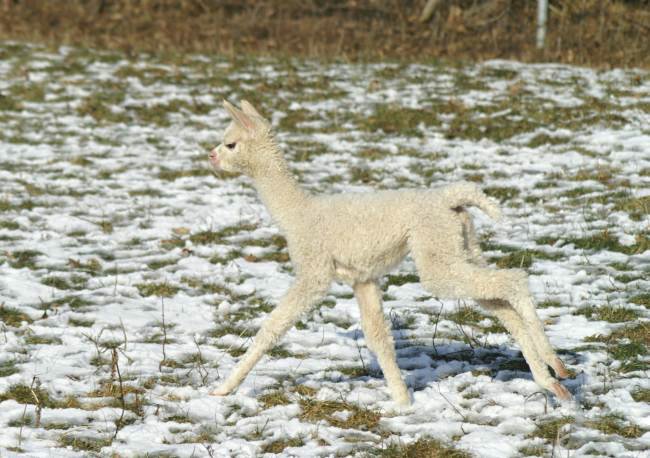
point(560, 391)
point(221, 391)
point(560, 369)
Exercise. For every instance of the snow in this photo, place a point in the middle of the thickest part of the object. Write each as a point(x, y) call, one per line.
point(77, 189)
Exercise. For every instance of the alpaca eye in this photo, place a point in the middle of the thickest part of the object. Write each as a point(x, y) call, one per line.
point(231, 145)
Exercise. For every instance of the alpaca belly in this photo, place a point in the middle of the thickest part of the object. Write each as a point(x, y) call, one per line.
point(363, 269)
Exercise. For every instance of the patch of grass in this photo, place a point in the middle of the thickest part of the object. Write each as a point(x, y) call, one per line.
point(85, 443)
point(501, 192)
point(98, 107)
point(395, 119)
point(313, 410)
point(162, 289)
point(304, 390)
point(401, 279)
point(74, 302)
point(209, 237)
point(9, 103)
point(641, 395)
point(232, 330)
point(33, 339)
point(533, 450)
point(627, 278)
point(278, 446)
point(604, 240)
point(550, 303)
point(11, 225)
point(633, 333)
point(422, 448)
point(58, 282)
point(273, 398)
point(354, 371)
point(519, 259)
point(641, 299)
point(170, 244)
point(92, 266)
point(577, 192)
point(627, 351)
point(24, 394)
point(13, 317)
point(608, 313)
point(80, 322)
point(548, 429)
point(8, 368)
point(545, 139)
point(465, 315)
point(23, 258)
point(160, 263)
point(172, 175)
point(615, 424)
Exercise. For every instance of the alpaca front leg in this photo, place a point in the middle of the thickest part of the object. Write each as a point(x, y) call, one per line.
point(379, 339)
point(300, 296)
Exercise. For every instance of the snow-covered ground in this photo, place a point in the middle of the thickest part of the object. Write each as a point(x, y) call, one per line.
point(131, 277)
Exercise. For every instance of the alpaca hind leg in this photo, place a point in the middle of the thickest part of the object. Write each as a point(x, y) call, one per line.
point(379, 339)
point(535, 329)
point(522, 302)
point(447, 274)
point(520, 333)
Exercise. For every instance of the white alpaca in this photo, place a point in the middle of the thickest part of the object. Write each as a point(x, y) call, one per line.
point(357, 238)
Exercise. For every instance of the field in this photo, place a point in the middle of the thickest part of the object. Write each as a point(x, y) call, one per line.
point(132, 277)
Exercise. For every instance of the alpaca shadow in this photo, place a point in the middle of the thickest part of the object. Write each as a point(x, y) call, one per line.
point(424, 365)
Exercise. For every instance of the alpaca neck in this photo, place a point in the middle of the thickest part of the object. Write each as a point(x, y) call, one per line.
point(281, 193)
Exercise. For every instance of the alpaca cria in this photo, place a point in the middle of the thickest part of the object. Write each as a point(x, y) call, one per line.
point(357, 238)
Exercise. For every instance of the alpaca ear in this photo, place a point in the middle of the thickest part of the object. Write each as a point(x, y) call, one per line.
point(239, 116)
point(250, 109)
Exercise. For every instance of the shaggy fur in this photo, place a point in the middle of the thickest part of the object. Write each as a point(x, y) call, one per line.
point(357, 238)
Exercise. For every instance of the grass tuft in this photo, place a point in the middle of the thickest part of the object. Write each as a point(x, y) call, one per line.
point(422, 448)
point(278, 446)
point(359, 417)
point(157, 289)
point(13, 317)
point(608, 313)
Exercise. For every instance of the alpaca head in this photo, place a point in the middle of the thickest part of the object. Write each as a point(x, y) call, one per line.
point(248, 146)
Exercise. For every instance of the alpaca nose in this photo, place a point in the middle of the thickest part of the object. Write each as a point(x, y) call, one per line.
point(213, 153)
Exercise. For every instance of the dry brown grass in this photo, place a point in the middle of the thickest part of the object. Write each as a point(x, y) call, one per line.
point(602, 33)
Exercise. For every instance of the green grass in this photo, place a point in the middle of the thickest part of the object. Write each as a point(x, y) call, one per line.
point(501, 193)
point(604, 240)
point(401, 279)
point(608, 313)
point(641, 299)
point(273, 398)
point(23, 258)
point(279, 445)
point(160, 289)
point(217, 237)
point(84, 443)
point(548, 429)
point(8, 368)
point(33, 339)
point(24, 394)
point(13, 317)
point(313, 411)
point(421, 448)
point(615, 424)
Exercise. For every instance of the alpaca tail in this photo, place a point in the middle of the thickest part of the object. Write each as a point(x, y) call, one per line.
point(470, 195)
